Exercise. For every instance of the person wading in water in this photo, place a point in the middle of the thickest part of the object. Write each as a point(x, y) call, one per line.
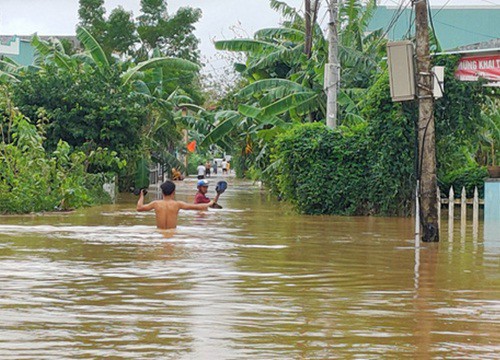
point(167, 209)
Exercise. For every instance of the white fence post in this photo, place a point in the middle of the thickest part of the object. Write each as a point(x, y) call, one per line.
point(475, 214)
point(110, 188)
point(439, 207)
point(463, 213)
point(451, 205)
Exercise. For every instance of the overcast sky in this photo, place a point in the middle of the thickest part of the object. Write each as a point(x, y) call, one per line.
point(59, 17)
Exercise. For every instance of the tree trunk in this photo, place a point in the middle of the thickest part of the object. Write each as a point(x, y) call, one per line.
point(307, 18)
point(311, 14)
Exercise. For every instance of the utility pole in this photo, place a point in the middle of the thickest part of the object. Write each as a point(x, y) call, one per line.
point(332, 69)
point(426, 129)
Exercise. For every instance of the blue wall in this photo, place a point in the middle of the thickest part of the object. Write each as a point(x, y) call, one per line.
point(454, 26)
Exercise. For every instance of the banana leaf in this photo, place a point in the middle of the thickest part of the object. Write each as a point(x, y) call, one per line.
point(92, 46)
point(142, 174)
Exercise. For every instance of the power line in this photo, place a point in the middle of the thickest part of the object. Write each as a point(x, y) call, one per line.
point(395, 17)
point(431, 20)
point(490, 2)
point(442, 7)
point(466, 30)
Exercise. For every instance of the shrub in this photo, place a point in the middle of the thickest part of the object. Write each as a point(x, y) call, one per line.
point(323, 171)
point(364, 169)
point(32, 180)
point(468, 177)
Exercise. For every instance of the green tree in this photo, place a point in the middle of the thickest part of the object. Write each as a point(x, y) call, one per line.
point(32, 179)
point(285, 70)
point(91, 14)
point(92, 101)
point(120, 32)
point(83, 109)
point(117, 34)
point(171, 34)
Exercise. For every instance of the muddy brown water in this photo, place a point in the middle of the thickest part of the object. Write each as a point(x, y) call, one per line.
point(251, 281)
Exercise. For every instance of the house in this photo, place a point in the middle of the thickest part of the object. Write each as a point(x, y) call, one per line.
point(471, 31)
point(455, 26)
point(19, 48)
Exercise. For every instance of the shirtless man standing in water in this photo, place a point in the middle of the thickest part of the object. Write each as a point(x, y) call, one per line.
point(167, 209)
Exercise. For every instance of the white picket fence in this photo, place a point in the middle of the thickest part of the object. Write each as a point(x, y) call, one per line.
point(462, 202)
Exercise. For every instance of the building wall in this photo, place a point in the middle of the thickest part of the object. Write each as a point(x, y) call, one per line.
point(19, 48)
point(454, 26)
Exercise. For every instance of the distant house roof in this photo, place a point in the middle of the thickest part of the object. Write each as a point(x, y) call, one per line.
point(493, 44)
point(4, 39)
point(455, 26)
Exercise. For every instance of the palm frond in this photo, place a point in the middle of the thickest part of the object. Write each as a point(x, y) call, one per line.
point(282, 54)
point(286, 10)
point(8, 67)
point(93, 47)
point(267, 84)
point(7, 78)
point(289, 102)
point(178, 64)
point(192, 107)
point(10, 61)
point(222, 129)
point(141, 87)
point(249, 111)
point(289, 34)
point(245, 45)
point(43, 48)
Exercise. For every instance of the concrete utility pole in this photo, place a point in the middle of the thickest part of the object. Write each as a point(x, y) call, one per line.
point(426, 130)
point(332, 69)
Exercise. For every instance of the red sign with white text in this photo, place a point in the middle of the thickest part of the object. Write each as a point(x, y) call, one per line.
point(471, 68)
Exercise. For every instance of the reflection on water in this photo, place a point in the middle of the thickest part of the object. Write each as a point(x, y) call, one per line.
point(253, 280)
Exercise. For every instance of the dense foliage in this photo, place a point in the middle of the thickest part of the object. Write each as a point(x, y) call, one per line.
point(154, 28)
point(350, 170)
point(83, 109)
point(125, 100)
point(284, 71)
point(33, 180)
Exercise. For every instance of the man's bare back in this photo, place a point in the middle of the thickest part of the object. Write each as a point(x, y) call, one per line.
point(167, 209)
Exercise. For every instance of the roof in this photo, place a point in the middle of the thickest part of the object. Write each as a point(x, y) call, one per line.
point(455, 26)
point(6, 39)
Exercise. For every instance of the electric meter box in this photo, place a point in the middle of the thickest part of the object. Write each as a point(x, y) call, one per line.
point(401, 70)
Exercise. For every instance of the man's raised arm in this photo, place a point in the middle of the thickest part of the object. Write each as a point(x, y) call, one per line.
point(141, 206)
point(186, 206)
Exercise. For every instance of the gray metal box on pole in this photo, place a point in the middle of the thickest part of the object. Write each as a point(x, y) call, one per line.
point(401, 70)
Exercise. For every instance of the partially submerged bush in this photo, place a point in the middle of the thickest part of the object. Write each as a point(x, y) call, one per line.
point(323, 171)
point(468, 177)
point(32, 180)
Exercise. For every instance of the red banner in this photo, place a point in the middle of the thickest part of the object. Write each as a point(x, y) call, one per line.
point(471, 68)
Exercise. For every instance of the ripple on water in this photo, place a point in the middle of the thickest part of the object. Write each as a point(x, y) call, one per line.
point(253, 282)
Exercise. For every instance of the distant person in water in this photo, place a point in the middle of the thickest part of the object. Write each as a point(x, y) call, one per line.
point(201, 195)
point(176, 174)
point(201, 171)
point(167, 209)
point(224, 166)
point(207, 169)
point(214, 167)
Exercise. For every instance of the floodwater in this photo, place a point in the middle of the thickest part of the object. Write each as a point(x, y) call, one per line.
point(251, 281)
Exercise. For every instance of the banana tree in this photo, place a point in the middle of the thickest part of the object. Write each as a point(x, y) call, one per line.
point(285, 72)
point(145, 81)
point(489, 136)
